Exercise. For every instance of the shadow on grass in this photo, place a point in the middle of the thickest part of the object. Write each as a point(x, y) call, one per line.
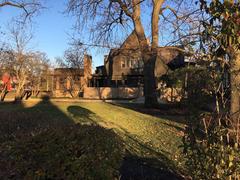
point(134, 165)
point(18, 121)
point(41, 142)
point(82, 115)
point(172, 112)
point(155, 166)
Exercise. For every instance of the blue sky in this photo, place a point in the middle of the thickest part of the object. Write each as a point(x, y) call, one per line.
point(51, 29)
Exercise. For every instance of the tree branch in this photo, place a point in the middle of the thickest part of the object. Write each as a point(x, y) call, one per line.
point(29, 8)
point(124, 7)
point(8, 3)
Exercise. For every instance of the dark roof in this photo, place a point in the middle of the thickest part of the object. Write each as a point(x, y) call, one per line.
point(102, 66)
point(100, 70)
point(171, 56)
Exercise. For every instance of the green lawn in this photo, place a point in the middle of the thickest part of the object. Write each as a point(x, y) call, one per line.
point(156, 138)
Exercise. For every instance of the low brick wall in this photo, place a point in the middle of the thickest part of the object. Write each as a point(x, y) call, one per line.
point(112, 93)
point(66, 94)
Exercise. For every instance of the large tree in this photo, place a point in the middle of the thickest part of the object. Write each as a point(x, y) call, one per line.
point(222, 34)
point(104, 17)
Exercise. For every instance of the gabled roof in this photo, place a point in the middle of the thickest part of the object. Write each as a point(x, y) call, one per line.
point(130, 42)
point(168, 54)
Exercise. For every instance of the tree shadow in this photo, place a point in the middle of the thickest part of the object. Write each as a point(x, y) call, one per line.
point(82, 115)
point(134, 165)
point(42, 142)
point(157, 166)
point(19, 121)
point(31, 136)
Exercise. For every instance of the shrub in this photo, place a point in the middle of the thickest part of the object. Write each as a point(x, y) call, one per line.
point(211, 155)
point(197, 82)
point(72, 152)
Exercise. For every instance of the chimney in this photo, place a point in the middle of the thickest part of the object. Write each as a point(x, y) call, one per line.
point(87, 66)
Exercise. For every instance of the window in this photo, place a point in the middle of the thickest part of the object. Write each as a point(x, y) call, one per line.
point(123, 65)
point(129, 62)
point(140, 63)
point(62, 82)
point(135, 63)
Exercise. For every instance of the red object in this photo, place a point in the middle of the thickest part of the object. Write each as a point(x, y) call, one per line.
point(7, 81)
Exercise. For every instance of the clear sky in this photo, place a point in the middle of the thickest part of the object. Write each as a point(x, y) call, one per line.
point(51, 29)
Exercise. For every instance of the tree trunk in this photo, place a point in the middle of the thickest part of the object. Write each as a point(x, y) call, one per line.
point(235, 85)
point(20, 91)
point(3, 95)
point(148, 56)
point(150, 92)
point(18, 96)
point(4, 92)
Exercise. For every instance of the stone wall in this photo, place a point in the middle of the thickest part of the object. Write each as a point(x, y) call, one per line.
point(112, 93)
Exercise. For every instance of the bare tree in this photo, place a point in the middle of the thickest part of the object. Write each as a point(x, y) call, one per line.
point(104, 17)
point(5, 56)
point(22, 64)
point(40, 70)
point(21, 69)
point(73, 60)
point(29, 7)
point(27, 69)
point(73, 56)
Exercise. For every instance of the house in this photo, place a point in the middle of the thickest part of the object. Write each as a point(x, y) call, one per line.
point(124, 65)
point(70, 82)
point(66, 82)
point(121, 75)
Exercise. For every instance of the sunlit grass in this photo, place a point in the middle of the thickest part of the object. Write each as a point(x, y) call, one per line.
point(143, 135)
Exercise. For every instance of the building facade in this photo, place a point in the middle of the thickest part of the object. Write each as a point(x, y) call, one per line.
point(124, 66)
point(70, 82)
point(121, 75)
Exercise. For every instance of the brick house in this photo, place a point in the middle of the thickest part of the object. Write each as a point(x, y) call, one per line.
point(66, 82)
point(70, 82)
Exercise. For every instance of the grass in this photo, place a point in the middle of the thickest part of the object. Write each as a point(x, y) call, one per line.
point(155, 139)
